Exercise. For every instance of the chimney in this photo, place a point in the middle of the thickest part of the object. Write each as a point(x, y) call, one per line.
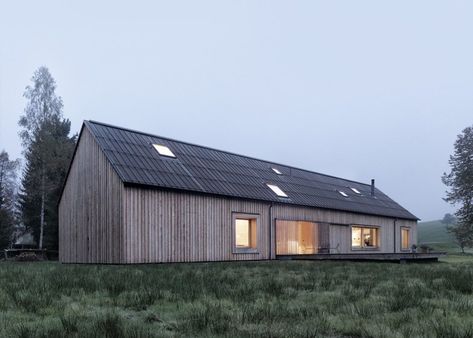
point(372, 187)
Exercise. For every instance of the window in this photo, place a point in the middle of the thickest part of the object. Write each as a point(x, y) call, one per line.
point(277, 190)
point(245, 229)
point(405, 239)
point(364, 237)
point(163, 150)
point(356, 191)
point(297, 237)
point(277, 171)
point(344, 194)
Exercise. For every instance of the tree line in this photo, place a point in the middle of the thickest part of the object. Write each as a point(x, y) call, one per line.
point(30, 206)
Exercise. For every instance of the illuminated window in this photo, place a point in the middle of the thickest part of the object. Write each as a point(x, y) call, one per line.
point(356, 191)
point(245, 227)
point(163, 150)
point(364, 237)
point(277, 190)
point(404, 238)
point(344, 194)
point(277, 171)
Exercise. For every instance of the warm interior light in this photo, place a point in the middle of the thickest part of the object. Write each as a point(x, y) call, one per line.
point(245, 233)
point(364, 237)
point(356, 237)
point(277, 190)
point(405, 238)
point(163, 150)
point(296, 237)
point(242, 233)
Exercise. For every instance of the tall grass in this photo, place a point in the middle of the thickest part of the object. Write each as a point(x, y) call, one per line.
point(273, 299)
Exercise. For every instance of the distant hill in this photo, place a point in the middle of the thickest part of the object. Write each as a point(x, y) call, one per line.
point(434, 234)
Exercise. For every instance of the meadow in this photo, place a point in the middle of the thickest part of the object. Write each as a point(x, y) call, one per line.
point(272, 299)
point(435, 235)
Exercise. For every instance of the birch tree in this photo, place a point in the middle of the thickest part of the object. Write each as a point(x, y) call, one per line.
point(47, 150)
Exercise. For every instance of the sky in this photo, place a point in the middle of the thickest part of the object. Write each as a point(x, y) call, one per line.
point(356, 89)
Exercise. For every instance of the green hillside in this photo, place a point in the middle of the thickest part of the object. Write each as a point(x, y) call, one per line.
point(434, 234)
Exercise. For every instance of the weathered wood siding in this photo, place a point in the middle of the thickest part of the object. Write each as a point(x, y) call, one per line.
point(166, 226)
point(389, 234)
point(90, 210)
point(338, 237)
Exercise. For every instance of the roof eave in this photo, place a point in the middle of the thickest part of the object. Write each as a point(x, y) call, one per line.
point(278, 201)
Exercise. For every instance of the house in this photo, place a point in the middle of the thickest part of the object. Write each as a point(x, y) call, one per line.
point(132, 197)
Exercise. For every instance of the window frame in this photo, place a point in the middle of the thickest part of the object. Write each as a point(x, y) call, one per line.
point(408, 229)
point(257, 224)
point(366, 248)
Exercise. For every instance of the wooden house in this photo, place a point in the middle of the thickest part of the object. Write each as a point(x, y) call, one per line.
point(132, 197)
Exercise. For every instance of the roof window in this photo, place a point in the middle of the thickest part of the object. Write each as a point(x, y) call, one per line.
point(356, 191)
point(277, 190)
point(163, 150)
point(277, 171)
point(344, 194)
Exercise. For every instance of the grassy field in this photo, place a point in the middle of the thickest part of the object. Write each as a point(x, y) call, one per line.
point(272, 299)
point(435, 235)
point(433, 232)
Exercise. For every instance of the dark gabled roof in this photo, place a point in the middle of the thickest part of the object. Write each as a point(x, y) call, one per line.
point(210, 171)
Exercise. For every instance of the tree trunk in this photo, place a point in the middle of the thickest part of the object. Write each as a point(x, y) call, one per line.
point(42, 211)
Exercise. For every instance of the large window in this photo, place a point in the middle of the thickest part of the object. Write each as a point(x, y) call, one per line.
point(405, 238)
point(246, 233)
point(296, 237)
point(364, 237)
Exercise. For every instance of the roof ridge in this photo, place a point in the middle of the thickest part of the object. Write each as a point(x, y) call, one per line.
point(223, 151)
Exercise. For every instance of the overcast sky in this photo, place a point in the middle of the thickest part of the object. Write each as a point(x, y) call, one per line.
point(357, 89)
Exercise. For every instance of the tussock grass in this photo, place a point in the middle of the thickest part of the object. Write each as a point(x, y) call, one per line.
point(273, 299)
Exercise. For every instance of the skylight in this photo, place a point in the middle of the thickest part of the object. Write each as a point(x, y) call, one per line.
point(356, 191)
point(277, 171)
point(277, 190)
point(163, 150)
point(344, 194)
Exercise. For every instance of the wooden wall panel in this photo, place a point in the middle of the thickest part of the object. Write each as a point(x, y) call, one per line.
point(338, 237)
point(166, 226)
point(90, 210)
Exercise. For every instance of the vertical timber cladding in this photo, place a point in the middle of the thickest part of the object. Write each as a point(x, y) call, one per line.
point(338, 237)
point(90, 209)
point(168, 226)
